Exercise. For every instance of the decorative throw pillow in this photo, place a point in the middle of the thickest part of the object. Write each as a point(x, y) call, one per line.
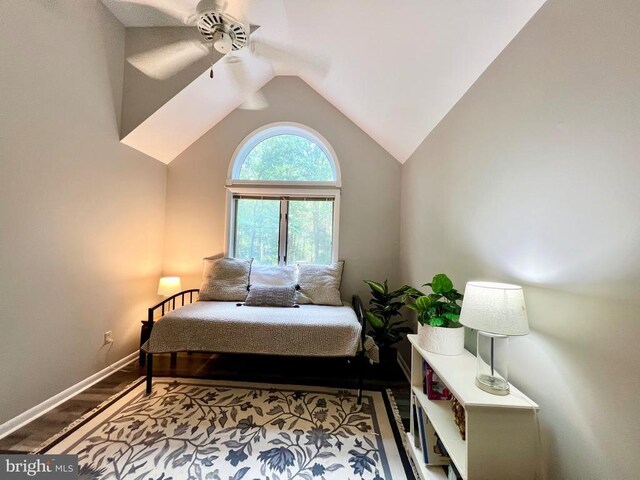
point(277, 276)
point(319, 284)
point(225, 279)
point(269, 296)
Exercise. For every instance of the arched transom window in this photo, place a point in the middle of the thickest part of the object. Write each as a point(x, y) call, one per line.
point(284, 197)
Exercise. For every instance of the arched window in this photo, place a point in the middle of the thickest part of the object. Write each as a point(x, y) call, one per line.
point(284, 196)
point(284, 153)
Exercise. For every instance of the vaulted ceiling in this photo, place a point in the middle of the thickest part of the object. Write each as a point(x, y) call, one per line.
point(394, 68)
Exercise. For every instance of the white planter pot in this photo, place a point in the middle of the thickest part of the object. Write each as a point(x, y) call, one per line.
point(445, 341)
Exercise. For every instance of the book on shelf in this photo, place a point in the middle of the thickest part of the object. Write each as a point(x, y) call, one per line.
point(453, 473)
point(423, 437)
point(432, 385)
point(440, 446)
point(437, 454)
point(424, 376)
point(415, 428)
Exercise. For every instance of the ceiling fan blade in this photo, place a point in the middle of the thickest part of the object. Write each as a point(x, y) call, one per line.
point(166, 61)
point(234, 8)
point(254, 100)
point(180, 10)
point(290, 56)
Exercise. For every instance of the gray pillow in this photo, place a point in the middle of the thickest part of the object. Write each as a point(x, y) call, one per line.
point(319, 284)
point(269, 296)
point(225, 279)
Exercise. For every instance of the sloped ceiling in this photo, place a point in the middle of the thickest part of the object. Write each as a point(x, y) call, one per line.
point(394, 68)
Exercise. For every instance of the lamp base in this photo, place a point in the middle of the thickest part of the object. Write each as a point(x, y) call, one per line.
point(493, 385)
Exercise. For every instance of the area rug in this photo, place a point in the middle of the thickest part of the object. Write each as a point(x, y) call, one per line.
point(197, 429)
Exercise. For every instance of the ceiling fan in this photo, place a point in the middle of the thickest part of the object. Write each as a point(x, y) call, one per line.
point(221, 28)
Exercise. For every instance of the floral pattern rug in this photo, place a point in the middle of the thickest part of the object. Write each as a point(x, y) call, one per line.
point(196, 429)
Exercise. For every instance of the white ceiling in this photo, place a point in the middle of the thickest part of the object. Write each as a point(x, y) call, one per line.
point(394, 68)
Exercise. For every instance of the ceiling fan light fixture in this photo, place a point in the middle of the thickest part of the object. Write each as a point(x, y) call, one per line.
point(222, 42)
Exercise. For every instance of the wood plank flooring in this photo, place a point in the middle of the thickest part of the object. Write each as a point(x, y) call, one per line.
point(251, 368)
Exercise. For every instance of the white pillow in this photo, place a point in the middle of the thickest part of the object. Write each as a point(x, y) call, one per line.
point(272, 276)
point(319, 284)
point(225, 279)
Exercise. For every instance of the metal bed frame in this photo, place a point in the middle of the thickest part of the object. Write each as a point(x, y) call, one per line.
point(169, 304)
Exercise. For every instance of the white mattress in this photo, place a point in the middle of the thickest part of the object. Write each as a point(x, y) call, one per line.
point(309, 330)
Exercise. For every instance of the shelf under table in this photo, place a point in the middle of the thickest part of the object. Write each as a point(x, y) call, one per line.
point(426, 472)
point(443, 420)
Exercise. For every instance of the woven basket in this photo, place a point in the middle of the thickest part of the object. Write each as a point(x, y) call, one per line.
point(459, 415)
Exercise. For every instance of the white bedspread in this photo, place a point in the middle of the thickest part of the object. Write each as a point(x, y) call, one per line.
point(310, 330)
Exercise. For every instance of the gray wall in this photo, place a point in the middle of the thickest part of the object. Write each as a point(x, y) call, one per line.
point(81, 214)
point(369, 214)
point(533, 179)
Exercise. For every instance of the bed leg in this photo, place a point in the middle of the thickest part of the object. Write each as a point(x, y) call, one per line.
point(174, 360)
point(362, 361)
point(149, 372)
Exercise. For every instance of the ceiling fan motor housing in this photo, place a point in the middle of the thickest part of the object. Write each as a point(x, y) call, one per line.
point(223, 30)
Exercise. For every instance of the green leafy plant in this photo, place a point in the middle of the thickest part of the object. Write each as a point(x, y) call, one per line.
point(385, 308)
point(439, 308)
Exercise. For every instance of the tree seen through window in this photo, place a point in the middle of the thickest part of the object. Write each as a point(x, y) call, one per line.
point(287, 158)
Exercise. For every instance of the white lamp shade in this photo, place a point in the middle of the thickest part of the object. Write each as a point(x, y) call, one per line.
point(169, 286)
point(494, 308)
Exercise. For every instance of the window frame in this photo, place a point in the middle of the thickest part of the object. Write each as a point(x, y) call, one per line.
point(278, 194)
point(279, 189)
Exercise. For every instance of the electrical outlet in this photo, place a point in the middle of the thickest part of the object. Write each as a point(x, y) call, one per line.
point(108, 337)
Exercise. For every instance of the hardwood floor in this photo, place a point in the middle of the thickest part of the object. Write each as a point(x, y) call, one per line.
point(286, 370)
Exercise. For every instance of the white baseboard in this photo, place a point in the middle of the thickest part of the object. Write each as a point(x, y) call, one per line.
point(404, 367)
point(51, 403)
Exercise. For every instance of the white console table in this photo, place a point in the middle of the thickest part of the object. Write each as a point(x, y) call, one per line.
point(501, 431)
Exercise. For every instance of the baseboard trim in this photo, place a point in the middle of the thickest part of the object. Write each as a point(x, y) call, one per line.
point(30, 415)
point(404, 367)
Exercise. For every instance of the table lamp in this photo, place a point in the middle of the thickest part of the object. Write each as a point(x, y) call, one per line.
point(169, 286)
point(497, 311)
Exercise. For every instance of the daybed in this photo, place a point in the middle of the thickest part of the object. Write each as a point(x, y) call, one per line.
point(231, 327)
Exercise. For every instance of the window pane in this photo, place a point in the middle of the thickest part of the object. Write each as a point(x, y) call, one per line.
point(257, 230)
point(287, 158)
point(310, 231)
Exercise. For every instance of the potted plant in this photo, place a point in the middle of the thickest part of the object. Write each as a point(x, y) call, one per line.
point(385, 309)
point(438, 314)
